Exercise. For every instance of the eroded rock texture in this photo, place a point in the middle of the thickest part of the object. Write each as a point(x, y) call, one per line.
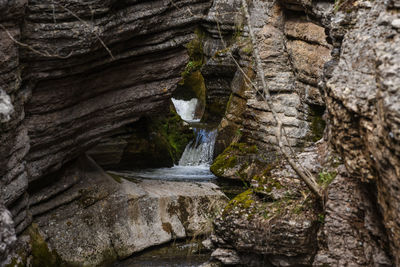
point(88, 68)
point(14, 140)
point(96, 94)
point(352, 233)
point(363, 103)
point(7, 234)
point(351, 51)
point(275, 222)
point(97, 219)
point(71, 72)
point(294, 50)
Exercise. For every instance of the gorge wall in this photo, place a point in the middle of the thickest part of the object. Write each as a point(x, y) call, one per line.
point(73, 73)
point(342, 55)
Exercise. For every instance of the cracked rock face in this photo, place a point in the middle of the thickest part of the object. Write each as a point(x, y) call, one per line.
point(293, 50)
point(363, 103)
point(352, 234)
point(358, 60)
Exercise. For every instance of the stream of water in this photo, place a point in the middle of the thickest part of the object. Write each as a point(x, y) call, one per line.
point(195, 161)
point(194, 165)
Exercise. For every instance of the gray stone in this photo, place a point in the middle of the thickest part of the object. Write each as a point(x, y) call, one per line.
point(226, 256)
point(100, 218)
point(7, 235)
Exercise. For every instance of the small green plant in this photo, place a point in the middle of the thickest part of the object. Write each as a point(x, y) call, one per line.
point(321, 218)
point(325, 178)
point(344, 5)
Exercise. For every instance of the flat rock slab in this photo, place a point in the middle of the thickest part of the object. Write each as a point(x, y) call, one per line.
point(114, 218)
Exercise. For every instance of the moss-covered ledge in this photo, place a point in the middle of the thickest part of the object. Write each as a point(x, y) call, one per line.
point(239, 161)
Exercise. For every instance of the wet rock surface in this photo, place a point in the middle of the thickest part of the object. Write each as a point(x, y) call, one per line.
point(103, 218)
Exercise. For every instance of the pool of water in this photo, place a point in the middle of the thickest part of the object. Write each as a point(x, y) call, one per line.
point(187, 253)
point(176, 173)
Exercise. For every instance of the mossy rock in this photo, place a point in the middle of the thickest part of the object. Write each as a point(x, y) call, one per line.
point(196, 54)
point(243, 201)
point(41, 255)
point(317, 123)
point(236, 162)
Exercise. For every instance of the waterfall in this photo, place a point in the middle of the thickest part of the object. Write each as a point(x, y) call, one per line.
point(186, 109)
point(199, 151)
point(194, 164)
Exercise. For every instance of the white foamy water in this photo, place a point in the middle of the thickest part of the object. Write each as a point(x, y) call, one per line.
point(186, 109)
point(195, 161)
point(176, 173)
point(199, 151)
point(194, 164)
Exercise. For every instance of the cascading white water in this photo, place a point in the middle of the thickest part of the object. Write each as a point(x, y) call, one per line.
point(195, 160)
point(199, 151)
point(186, 109)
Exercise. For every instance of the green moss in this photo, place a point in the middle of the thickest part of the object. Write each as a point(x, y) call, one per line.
point(266, 184)
point(248, 49)
point(325, 178)
point(222, 163)
point(242, 201)
point(117, 178)
point(196, 54)
point(321, 218)
point(317, 125)
point(42, 256)
point(170, 133)
point(229, 158)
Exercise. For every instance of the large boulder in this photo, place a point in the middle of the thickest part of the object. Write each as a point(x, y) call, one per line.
point(102, 218)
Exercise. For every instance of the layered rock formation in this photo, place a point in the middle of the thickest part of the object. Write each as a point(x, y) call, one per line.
point(71, 73)
point(293, 52)
point(359, 80)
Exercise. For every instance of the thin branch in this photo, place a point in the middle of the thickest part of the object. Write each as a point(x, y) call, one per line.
point(90, 28)
point(34, 50)
point(308, 179)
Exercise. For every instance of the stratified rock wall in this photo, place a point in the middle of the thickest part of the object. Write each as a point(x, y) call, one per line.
point(14, 140)
point(293, 50)
point(122, 61)
point(350, 50)
point(221, 28)
point(88, 68)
